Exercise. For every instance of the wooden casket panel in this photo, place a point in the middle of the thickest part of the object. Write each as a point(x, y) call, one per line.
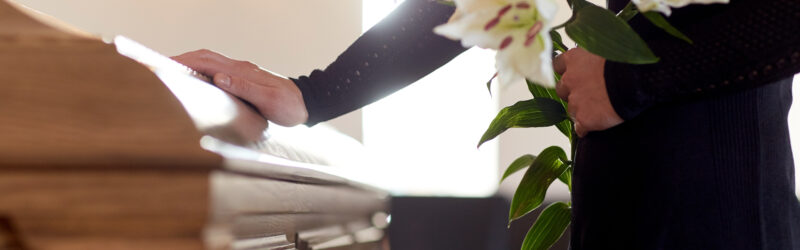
point(88, 209)
point(96, 152)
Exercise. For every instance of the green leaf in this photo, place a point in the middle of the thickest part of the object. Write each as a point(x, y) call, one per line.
point(557, 41)
point(525, 114)
point(577, 4)
point(448, 3)
point(565, 127)
point(489, 83)
point(548, 228)
point(600, 32)
point(539, 91)
point(518, 164)
point(627, 13)
point(661, 22)
point(566, 178)
point(531, 190)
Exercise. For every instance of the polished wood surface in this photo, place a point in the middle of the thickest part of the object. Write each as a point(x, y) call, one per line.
point(87, 209)
point(101, 151)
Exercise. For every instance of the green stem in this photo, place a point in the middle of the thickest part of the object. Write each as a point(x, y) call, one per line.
point(574, 152)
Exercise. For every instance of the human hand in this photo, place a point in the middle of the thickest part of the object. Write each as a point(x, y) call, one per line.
point(583, 86)
point(276, 97)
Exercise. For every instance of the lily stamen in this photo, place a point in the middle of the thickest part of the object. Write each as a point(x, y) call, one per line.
point(532, 33)
point(507, 41)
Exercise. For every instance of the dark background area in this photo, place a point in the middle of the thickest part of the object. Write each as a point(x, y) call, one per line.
point(422, 223)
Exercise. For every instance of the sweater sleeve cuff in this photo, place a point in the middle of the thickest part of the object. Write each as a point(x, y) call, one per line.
point(625, 90)
point(304, 84)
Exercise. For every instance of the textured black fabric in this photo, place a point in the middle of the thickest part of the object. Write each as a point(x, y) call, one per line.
point(738, 45)
point(711, 173)
point(703, 160)
point(396, 52)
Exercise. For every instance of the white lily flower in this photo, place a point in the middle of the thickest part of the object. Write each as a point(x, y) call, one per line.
point(517, 29)
point(665, 6)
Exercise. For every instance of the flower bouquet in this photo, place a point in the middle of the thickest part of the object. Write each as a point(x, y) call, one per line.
point(523, 34)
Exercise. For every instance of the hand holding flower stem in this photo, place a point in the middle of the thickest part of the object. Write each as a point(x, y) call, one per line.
point(583, 86)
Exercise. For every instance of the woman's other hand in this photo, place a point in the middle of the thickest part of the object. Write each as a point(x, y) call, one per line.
point(276, 97)
point(583, 86)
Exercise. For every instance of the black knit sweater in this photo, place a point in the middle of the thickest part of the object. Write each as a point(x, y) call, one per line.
point(703, 160)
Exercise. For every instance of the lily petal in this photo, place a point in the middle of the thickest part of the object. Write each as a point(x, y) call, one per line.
point(518, 29)
point(469, 28)
point(666, 6)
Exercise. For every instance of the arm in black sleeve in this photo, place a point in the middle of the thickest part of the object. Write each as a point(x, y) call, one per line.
point(396, 52)
point(743, 44)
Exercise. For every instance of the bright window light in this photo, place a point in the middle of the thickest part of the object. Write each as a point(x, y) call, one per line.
point(425, 135)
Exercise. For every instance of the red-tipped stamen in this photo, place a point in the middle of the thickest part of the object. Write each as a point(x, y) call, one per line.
point(532, 33)
point(506, 42)
point(504, 10)
point(491, 24)
point(534, 30)
point(523, 5)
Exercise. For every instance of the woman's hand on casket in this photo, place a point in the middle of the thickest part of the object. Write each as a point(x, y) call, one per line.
point(276, 97)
